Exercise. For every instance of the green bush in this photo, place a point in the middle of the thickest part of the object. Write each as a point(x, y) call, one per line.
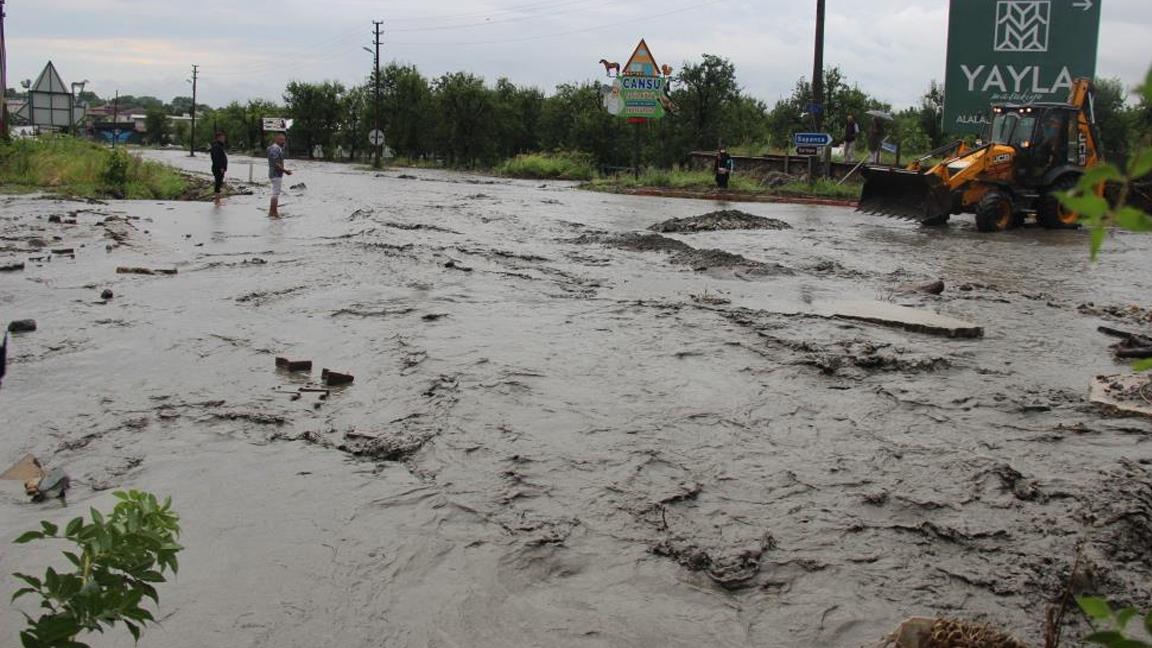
point(549, 166)
point(118, 560)
point(79, 168)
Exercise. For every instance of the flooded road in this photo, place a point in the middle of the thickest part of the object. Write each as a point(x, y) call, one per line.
point(558, 437)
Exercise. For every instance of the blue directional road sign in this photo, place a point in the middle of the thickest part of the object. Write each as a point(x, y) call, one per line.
point(812, 139)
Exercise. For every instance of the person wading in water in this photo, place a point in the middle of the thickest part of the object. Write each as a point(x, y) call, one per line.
point(723, 168)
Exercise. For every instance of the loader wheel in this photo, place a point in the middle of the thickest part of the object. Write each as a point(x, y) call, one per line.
point(995, 213)
point(1052, 214)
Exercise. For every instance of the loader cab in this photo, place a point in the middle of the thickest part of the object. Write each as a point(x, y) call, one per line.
point(1044, 136)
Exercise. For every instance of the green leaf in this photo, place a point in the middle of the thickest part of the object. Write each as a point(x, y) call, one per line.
point(1133, 219)
point(1098, 174)
point(1124, 616)
point(29, 537)
point(1098, 235)
point(21, 592)
point(49, 528)
point(1148, 98)
point(1143, 365)
point(31, 580)
point(1084, 204)
point(133, 630)
point(1094, 607)
point(74, 527)
point(1141, 164)
point(1105, 638)
point(97, 517)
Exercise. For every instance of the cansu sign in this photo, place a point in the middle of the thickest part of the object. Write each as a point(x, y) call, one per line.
point(1015, 51)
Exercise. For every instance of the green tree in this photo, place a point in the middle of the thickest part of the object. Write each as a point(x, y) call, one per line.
point(316, 109)
point(157, 128)
point(407, 110)
point(465, 109)
point(574, 119)
point(1114, 120)
point(704, 93)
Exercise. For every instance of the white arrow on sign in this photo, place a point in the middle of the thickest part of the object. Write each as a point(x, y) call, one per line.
point(1083, 4)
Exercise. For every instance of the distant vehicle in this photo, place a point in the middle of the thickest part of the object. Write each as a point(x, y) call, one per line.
point(1033, 151)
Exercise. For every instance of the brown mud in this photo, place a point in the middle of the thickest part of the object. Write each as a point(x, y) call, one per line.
point(580, 441)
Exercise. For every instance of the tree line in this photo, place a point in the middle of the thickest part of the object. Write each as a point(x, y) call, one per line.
point(458, 119)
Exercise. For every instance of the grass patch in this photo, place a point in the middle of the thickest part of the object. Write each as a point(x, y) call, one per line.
point(549, 166)
point(703, 182)
point(73, 167)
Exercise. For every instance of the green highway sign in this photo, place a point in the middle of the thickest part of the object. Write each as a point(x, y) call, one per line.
point(1015, 51)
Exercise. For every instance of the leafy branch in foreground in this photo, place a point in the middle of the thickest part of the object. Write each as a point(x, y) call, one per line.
point(1101, 215)
point(1116, 623)
point(118, 560)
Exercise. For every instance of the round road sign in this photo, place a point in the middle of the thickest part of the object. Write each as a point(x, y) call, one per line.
point(376, 137)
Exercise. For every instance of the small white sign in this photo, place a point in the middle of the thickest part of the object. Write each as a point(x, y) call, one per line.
point(376, 137)
point(276, 124)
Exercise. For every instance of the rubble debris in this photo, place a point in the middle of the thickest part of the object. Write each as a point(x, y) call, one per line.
point(924, 632)
point(293, 365)
point(300, 186)
point(11, 266)
point(64, 251)
point(1131, 345)
point(22, 326)
point(380, 446)
point(1131, 313)
point(456, 266)
point(335, 378)
point(927, 288)
point(726, 219)
point(145, 271)
point(39, 484)
point(635, 242)
point(1124, 394)
point(731, 570)
point(910, 319)
point(107, 294)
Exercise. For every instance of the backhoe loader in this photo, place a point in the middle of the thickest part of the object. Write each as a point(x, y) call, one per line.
point(1032, 152)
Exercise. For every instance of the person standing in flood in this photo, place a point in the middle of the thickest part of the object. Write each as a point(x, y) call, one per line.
point(724, 165)
point(851, 132)
point(876, 139)
point(219, 164)
point(276, 173)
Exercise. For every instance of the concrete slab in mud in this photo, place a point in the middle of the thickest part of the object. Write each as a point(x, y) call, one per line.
point(910, 319)
point(1124, 394)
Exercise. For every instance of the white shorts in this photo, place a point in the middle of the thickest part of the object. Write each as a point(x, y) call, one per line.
point(276, 184)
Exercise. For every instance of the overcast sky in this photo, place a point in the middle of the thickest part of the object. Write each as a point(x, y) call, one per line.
point(251, 48)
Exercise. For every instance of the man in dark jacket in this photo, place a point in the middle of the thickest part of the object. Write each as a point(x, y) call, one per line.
point(851, 132)
point(219, 163)
point(723, 167)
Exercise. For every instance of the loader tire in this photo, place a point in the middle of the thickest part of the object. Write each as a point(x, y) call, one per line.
point(995, 213)
point(1051, 213)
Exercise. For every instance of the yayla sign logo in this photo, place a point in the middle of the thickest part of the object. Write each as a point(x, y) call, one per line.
point(1022, 25)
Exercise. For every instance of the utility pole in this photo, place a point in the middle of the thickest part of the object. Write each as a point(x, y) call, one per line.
point(192, 139)
point(3, 79)
point(376, 82)
point(116, 118)
point(817, 107)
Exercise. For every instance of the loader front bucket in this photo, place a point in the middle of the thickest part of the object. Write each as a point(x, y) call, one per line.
point(904, 194)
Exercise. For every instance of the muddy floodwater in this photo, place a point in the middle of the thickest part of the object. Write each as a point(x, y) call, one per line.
point(566, 429)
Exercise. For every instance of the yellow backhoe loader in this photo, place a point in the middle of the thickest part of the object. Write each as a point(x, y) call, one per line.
point(1031, 152)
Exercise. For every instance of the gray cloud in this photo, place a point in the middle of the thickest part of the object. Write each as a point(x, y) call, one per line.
point(251, 48)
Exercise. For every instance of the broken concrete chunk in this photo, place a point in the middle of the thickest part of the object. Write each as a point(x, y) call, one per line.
point(334, 378)
point(1123, 394)
point(145, 271)
point(928, 288)
point(22, 326)
point(909, 319)
point(293, 365)
point(107, 294)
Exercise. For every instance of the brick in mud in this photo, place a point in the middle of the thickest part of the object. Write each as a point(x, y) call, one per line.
point(22, 326)
point(334, 378)
point(293, 365)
